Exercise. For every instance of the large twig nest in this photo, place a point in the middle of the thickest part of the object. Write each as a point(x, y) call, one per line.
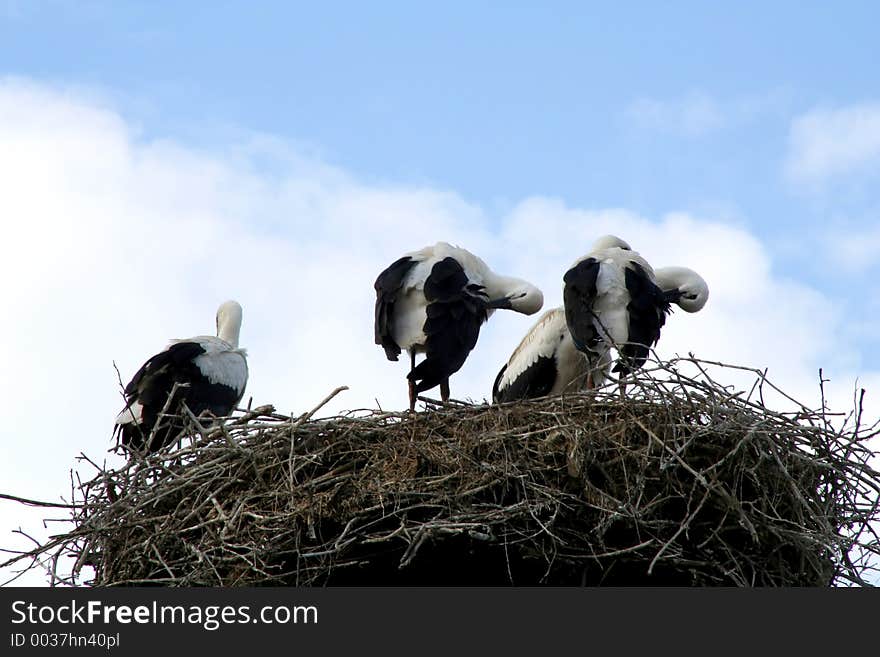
point(681, 483)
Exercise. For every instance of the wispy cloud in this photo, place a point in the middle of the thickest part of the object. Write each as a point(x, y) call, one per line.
point(691, 116)
point(697, 114)
point(832, 143)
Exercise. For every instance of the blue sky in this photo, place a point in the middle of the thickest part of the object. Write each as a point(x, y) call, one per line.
point(292, 151)
point(496, 101)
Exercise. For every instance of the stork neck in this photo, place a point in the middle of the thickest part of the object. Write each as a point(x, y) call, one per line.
point(520, 295)
point(498, 286)
point(229, 332)
point(669, 278)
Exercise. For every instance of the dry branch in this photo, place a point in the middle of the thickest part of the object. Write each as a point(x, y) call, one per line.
point(685, 482)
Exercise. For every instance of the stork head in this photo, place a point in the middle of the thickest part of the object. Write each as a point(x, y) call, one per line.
point(517, 294)
point(229, 322)
point(683, 286)
point(610, 242)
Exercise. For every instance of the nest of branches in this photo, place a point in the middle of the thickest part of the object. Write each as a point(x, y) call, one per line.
point(682, 482)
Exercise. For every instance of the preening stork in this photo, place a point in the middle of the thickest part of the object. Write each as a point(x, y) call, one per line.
point(613, 298)
point(210, 372)
point(434, 301)
point(547, 362)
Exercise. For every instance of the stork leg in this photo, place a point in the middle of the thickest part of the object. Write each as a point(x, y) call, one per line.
point(412, 385)
point(622, 384)
point(444, 390)
point(591, 380)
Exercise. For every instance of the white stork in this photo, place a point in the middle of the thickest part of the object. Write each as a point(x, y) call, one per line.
point(614, 299)
point(547, 362)
point(433, 301)
point(210, 372)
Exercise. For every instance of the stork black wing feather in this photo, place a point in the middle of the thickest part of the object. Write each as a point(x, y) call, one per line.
point(535, 381)
point(388, 285)
point(151, 386)
point(176, 356)
point(454, 316)
point(578, 296)
point(647, 310)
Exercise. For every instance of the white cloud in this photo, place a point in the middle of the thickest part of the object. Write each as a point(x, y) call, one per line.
point(112, 245)
point(827, 143)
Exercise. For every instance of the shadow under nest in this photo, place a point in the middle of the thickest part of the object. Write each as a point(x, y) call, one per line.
point(679, 484)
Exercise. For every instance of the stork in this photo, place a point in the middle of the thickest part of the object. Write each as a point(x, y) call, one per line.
point(434, 301)
point(207, 373)
point(614, 299)
point(546, 362)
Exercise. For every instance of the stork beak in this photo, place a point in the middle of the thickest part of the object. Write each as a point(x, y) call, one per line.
point(503, 303)
point(673, 296)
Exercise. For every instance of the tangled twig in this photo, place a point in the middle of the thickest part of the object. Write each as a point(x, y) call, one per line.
point(686, 481)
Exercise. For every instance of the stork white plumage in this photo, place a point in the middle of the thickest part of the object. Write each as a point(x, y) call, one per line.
point(210, 374)
point(547, 362)
point(614, 299)
point(434, 301)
